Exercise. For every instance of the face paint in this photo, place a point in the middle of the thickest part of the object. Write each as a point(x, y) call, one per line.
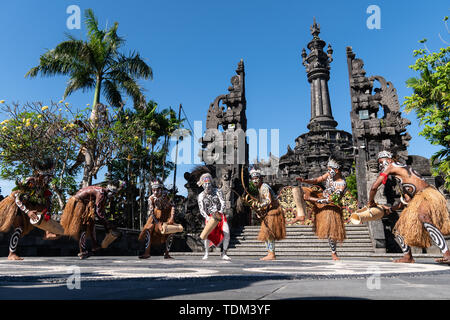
point(207, 186)
point(256, 181)
point(332, 172)
point(157, 192)
point(383, 165)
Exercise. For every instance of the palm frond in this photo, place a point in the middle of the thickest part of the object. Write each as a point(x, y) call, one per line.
point(82, 79)
point(112, 93)
point(92, 25)
point(132, 89)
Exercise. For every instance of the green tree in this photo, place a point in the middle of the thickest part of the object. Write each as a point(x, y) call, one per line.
point(144, 139)
point(431, 102)
point(95, 64)
point(34, 132)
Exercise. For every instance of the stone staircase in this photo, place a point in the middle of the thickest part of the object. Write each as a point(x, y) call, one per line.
point(300, 242)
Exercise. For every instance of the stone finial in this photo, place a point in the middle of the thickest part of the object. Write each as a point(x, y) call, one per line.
point(304, 55)
point(315, 29)
point(330, 53)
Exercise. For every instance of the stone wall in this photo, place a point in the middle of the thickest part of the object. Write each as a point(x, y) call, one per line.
point(32, 245)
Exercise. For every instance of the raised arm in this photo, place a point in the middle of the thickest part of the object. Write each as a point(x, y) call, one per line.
point(100, 201)
point(314, 180)
point(382, 179)
point(30, 213)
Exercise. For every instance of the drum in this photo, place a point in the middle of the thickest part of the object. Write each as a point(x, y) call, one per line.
point(300, 203)
point(109, 238)
point(314, 192)
point(210, 225)
point(171, 228)
point(367, 214)
point(50, 225)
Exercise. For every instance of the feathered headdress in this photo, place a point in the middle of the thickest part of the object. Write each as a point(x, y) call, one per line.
point(384, 154)
point(206, 177)
point(156, 184)
point(255, 173)
point(333, 164)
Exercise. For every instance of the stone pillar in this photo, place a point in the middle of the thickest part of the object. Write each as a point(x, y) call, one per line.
point(317, 64)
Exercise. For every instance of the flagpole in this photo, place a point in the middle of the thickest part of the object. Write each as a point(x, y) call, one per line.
point(176, 155)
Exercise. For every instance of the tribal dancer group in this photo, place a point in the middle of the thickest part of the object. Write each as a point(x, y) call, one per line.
point(423, 221)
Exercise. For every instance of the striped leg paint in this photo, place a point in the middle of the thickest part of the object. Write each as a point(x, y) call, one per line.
point(436, 236)
point(147, 239)
point(14, 241)
point(169, 243)
point(332, 244)
point(405, 248)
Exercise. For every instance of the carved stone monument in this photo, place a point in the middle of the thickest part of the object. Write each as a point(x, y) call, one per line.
point(377, 125)
point(313, 149)
point(224, 147)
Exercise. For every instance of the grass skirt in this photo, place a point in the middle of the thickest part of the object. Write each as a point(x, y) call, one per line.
point(329, 222)
point(411, 228)
point(277, 226)
point(8, 214)
point(76, 213)
point(156, 236)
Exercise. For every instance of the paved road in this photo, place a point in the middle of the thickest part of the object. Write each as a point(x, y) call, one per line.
point(189, 278)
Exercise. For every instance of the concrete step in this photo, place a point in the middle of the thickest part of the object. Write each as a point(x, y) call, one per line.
point(298, 236)
point(303, 241)
point(299, 246)
point(307, 228)
point(262, 248)
point(300, 241)
point(304, 255)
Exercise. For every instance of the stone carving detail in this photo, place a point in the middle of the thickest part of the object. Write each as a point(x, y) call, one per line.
point(377, 124)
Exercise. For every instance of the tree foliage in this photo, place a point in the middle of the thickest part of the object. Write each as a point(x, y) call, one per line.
point(96, 64)
point(34, 132)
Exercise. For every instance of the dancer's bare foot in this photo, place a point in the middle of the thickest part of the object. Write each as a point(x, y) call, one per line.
point(14, 256)
point(405, 259)
point(167, 256)
point(297, 219)
point(84, 255)
point(334, 257)
point(445, 259)
point(50, 236)
point(144, 256)
point(270, 256)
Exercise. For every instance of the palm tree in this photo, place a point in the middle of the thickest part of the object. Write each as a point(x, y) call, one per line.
point(96, 64)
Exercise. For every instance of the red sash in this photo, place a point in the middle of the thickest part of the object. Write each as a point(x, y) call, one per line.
point(385, 177)
point(216, 236)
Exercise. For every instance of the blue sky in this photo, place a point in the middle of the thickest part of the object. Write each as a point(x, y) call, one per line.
point(193, 48)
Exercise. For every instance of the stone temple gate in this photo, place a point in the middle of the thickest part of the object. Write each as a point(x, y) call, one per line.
point(376, 122)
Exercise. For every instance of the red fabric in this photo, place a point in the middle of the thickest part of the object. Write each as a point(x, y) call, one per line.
point(47, 193)
point(46, 215)
point(216, 236)
point(385, 177)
